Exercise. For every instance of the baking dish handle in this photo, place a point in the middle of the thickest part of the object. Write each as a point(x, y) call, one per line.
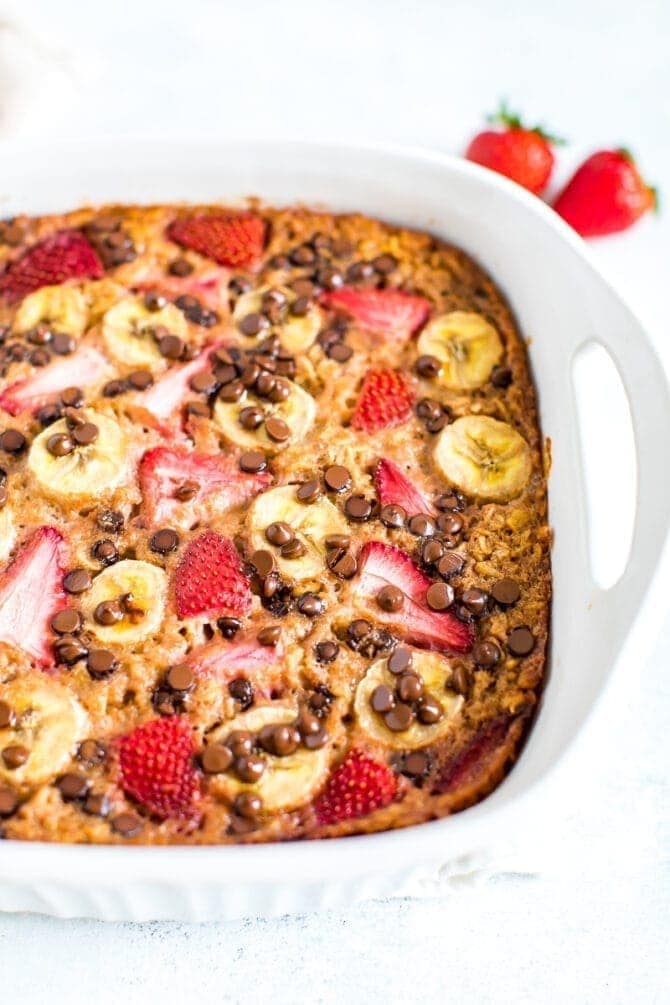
point(646, 388)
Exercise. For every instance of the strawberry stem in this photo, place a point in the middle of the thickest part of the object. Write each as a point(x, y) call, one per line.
point(512, 120)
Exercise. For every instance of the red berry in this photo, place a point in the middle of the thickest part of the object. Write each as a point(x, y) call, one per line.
point(385, 400)
point(605, 195)
point(209, 579)
point(392, 313)
point(156, 766)
point(360, 785)
point(67, 255)
point(524, 155)
point(85, 367)
point(395, 488)
point(233, 239)
point(31, 591)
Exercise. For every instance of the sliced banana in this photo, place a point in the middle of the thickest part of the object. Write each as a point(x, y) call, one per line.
point(287, 782)
point(297, 333)
point(436, 672)
point(466, 344)
point(62, 308)
point(86, 472)
point(311, 524)
point(298, 411)
point(135, 589)
point(101, 295)
point(7, 532)
point(484, 458)
point(47, 721)
point(128, 327)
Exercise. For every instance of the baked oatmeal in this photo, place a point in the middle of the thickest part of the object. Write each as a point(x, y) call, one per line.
point(273, 527)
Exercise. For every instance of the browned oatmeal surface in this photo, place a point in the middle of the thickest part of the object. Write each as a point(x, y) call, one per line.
point(273, 537)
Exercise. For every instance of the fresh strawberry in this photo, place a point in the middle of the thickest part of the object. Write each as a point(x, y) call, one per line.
point(210, 286)
point(394, 488)
point(385, 400)
point(164, 398)
point(67, 255)
point(360, 785)
point(522, 154)
point(605, 195)
point(383, 565)
point(85, 367)
point(477, 756)
point(233, 239)
point(157, 767)
point(389, 312)
point(209, 579)
point(241, 657)
point(166, 472)
point(31, 591)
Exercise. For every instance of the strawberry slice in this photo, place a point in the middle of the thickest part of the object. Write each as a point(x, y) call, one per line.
point(168, 393)
point(156, 767)
point(210, 287)
point(481, 756)
point(243, 657)
point(385, 400)
point(85, 367)
point(394, 488)
point(172, 478)
point(359, 786)
point(392, 313)
point(66, 255)
point(385, 565)
point(209, 579)
point(233, 239)
point(31, 592)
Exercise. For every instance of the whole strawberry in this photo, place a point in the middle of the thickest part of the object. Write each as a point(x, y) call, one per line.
point(605, 195)
point(522, 154)
point(358, 786)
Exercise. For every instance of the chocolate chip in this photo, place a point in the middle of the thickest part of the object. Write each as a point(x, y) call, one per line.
point(164, 541)
point(187, 491)
point(309, 491)
point(249, 768)
point(60, 445)
point(342, 563)
point(96, 804)
point(450, 524)
point(428, 408)
point(269, 636)
point(330, 278)
point(91, 753)
point(506, 592)
point(410, 687)
point(393, 516)
point(105, 552)
point(12, 441)
point(311, 605)
point(49, 414)
point(340, 352)
point(7, 715)
point(215, 759)
point(251, 417)
point(359, 628)
point(520, 641)
point(303, 255)
point(253, 324)
point(358, 508)
point(430, 711)
point(390, 598)
point(263, 562)
point(476, 601)
point(63, 344)
point(416, 764)
point(113, 388)
point(180, 678)
point(337, 478)
point(384, 264)
point(110, 520)
point(198, 409)
point(400, 660)
point(501, 376)
point(108, 612)
point(421, 525)
point(250, 374)
point(9, 801)
point(279, 533)
point(358, 271)
point(240, 742)
point(140, 380)
point(326, 651)
point(440, 596)
point(70, 649)
point(229, 627)
point(337, 541)
point(180, 267)
point(461, 679)
point(253, 461)
point(300, 306)
point(432, 551)
point(382, 699)
point(485, 654)
point(437, 425)
point(428, 367)
point(72, 786)
point(277, 429)
point(100, 663)
point(15, 756)
point(154, 301)
point(249, 805)
point(170, 346)
point(399, 718)
point(40, 357)
point(127, 825)
point(450, 564)
point(72, 397)
point(232, 391)
point(66, 622)
point(242, 691)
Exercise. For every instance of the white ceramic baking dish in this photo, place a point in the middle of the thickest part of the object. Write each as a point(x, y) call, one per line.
point(562, 303)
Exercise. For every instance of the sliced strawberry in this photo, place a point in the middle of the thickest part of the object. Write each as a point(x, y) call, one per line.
point(168, 393)
point(166, 472)
point(385, 400)
point(478, 757)
point(241, 657)
point(384, 565)
point(157, 769)
point(359, 786)
point(234, 239)
point(85, 367)
point(209, 287)
point(209, 579)
point(394, 488)
point(392, 313)
point(67, 255)
point(31, 591)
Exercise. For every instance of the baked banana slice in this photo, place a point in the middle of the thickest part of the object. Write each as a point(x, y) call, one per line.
point(293, 418)
point(286, 782)
point(484, 458)
point(101, 295)
point(126, 602)
point(296, 331)
point(467, 346)
point(128, 331)
point(62, 308)
point(68, 469)
point(435, 673)
point(311, 524)
point(47, 722)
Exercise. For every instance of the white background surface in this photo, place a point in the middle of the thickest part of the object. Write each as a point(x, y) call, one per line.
point(585, 915)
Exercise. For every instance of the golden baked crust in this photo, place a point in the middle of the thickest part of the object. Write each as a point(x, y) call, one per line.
point(499, 539)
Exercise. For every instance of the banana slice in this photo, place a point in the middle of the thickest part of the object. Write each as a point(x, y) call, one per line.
point(87, 471)
point(466, 344)
point(7, 532)
point(62, 308)
point(298, 411)
point(297, 333)
point(484, 458)
point(287, 782)
point(311, 524)
point(127, 329)
point(435, 671)
point(47, 721)
point(136, 592)
point(101, 295)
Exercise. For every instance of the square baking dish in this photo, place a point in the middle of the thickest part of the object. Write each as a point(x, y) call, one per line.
point(562, 304)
